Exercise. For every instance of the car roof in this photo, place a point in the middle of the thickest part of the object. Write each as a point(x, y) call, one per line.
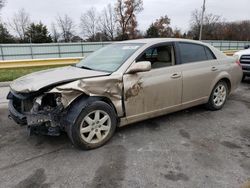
point(159, 40)
point(154, 41)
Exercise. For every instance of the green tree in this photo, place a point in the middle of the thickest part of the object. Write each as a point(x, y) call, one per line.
point(160, 28)
point(37, 33)
point(5, 36)
point(152, 32)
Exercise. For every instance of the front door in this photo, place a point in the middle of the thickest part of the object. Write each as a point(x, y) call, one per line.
point(152, 93)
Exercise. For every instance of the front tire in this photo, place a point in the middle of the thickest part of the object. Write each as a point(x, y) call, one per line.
point(94, 126)
point(218, 96)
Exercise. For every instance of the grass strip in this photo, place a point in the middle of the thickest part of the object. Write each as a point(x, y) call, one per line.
point(12, 74)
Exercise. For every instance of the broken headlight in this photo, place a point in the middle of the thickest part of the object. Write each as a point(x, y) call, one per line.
point(47, 102)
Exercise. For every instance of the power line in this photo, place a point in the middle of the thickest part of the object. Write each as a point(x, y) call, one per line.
point(202, 18)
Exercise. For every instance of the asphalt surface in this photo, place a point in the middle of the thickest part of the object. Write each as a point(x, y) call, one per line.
point(191, 148)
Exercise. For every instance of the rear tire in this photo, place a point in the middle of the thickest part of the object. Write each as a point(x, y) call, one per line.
point(94, 126)
point(218, 96)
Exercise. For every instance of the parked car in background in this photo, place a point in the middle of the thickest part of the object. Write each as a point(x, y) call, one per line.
point(243, 57)
point(120, 84)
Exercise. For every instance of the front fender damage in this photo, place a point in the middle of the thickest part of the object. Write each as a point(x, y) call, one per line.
point(109, 87)
point(46, 113)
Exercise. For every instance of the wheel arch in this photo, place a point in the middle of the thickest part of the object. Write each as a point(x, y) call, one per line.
point(222, 77)
point(228, 82)
point(75, 108)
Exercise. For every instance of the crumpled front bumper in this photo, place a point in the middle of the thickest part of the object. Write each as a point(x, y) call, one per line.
point(37, 123)
point(15, 115)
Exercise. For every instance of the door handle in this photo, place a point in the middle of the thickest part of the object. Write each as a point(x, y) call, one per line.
point(214, 69)
point(176, 75)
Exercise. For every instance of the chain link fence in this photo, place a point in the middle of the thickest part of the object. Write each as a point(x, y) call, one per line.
point(49, 50)
point(63, 50)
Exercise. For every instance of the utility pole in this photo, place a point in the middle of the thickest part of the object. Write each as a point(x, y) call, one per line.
point(202, 17)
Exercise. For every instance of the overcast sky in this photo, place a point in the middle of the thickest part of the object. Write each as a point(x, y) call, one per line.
point(178, 10)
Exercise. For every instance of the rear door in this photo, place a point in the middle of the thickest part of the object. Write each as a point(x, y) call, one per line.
point(199, 68)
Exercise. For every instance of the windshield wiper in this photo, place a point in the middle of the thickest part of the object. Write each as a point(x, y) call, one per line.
point(84, 67)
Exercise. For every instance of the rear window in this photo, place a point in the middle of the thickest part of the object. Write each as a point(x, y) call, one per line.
point(194, 53)
point(210, 54)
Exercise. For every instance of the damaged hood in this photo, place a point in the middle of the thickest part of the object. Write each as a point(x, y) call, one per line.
point(39, 80)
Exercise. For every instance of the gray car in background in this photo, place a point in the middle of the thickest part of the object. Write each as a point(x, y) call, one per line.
point(243, 57)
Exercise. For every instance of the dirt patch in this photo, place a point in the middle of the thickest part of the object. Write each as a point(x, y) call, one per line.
point(245, 164)
point(207, 160)
point(245, 133)
point(173, 176)
point(36, 179)
point(184, 134)
point(111, 172)
point(207, 145)
point(230, 145)
point(245, 155)
point(152, 125)
point(241, 98)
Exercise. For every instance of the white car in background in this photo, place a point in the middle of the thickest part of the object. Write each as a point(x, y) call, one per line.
point(244, 59)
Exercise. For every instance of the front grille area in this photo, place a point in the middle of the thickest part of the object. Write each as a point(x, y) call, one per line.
point(22, 105)
point(245, 59)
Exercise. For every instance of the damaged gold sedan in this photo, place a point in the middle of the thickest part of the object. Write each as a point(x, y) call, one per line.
point(120, 84)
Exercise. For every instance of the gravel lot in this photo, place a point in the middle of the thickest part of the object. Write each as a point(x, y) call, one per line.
point(191, 148)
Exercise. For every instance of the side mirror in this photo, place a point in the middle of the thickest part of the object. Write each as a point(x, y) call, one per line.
point(141, 66)
point(247, 46)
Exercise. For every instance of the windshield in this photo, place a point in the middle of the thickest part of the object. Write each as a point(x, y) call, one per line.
point(109, 58)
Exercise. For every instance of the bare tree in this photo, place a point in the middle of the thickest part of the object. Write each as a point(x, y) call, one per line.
point(20, 23)
point(126, 11)
point(2, 2)
point(90, 24)
point(239, 30)
point(209, 26)
point(177, 33)
point(66, 25)
point(108, 22)
point(216, 28)
point(54, 32)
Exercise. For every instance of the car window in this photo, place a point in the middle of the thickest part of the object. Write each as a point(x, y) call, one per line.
point(194, 53)
point(210, 54)
point(109, 58)
point(160, 56)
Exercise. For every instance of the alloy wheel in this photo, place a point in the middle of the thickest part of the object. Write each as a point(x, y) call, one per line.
point(220, 94)
point(95, 127)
